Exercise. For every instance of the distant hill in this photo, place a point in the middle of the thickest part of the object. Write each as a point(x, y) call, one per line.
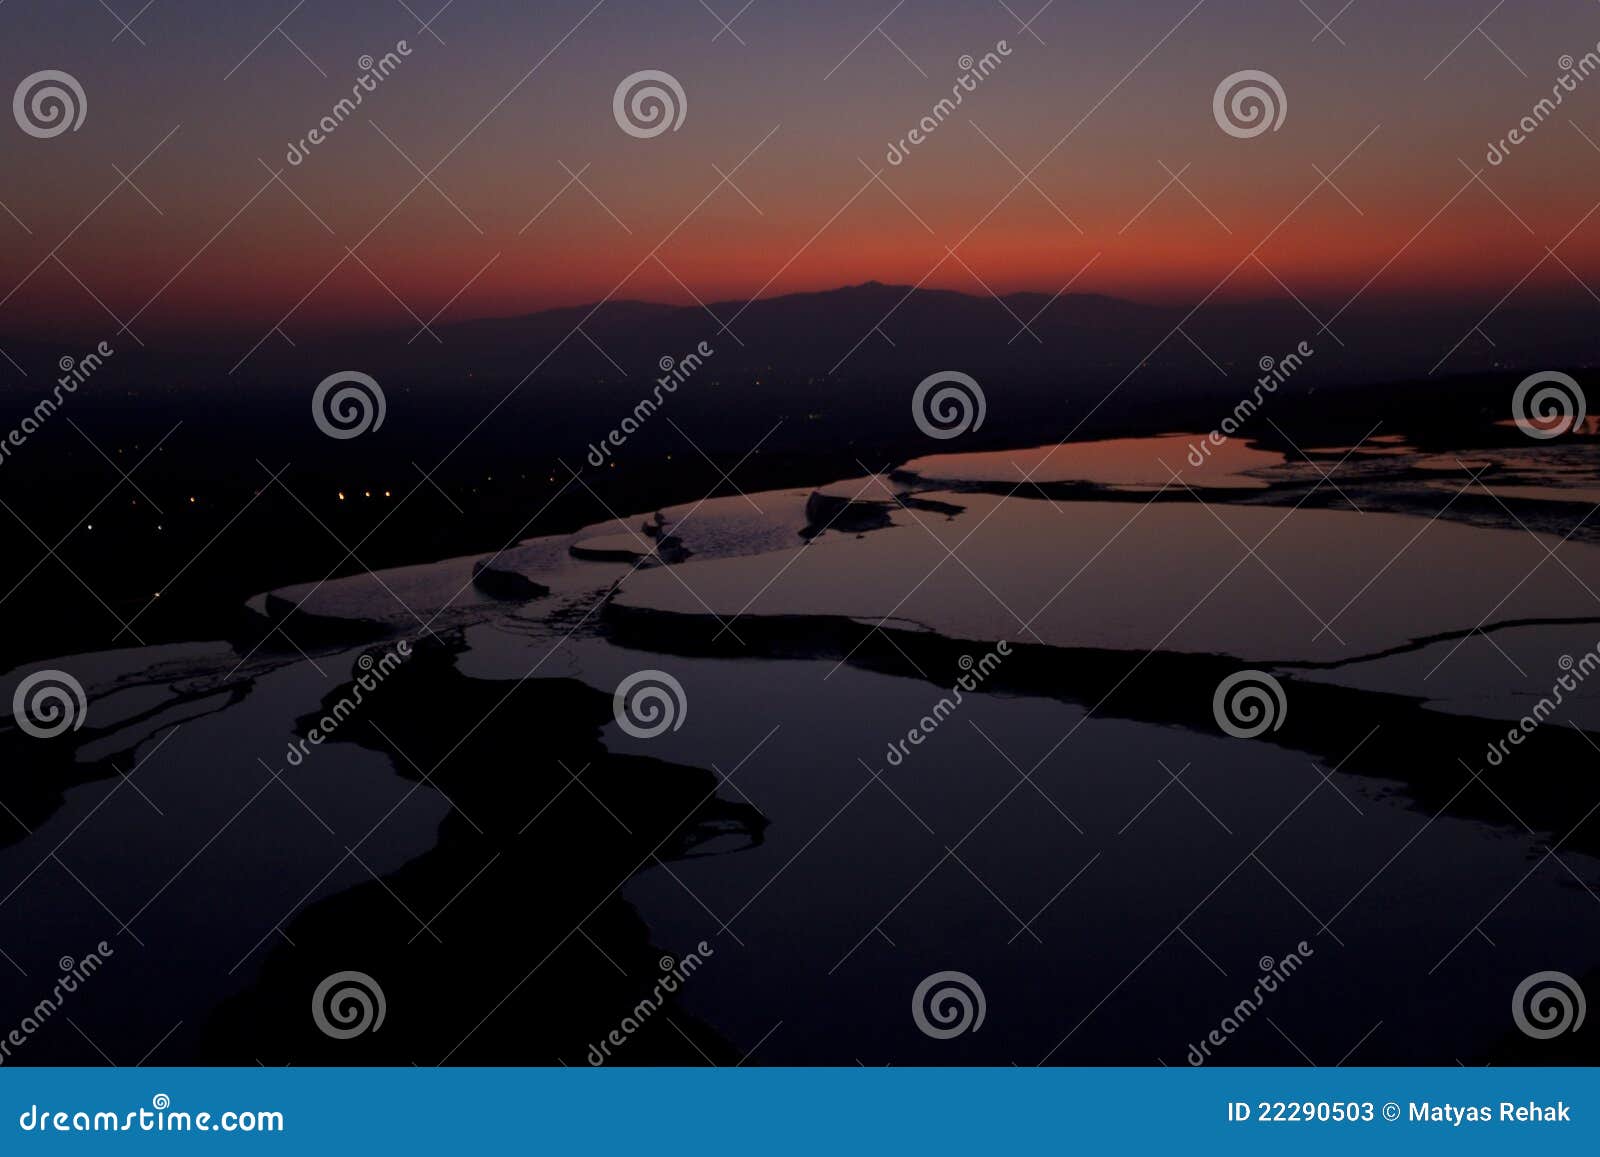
point(869, 331)
point(864, 332)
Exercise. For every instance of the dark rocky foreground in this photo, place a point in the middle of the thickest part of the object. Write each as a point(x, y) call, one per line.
point(529, 956)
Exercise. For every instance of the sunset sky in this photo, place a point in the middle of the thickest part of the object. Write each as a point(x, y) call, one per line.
point(239, 94)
